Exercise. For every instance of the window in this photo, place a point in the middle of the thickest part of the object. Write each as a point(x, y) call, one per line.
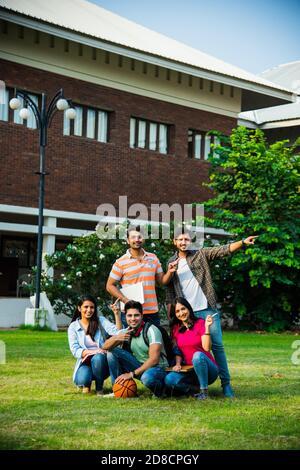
point(22, 248)
point(5, 114)
point(141, 134)
point(78, 121)
point(31, 122)
point(149, 135)
point(199, 144)
point(89, 122)
point(152, 136)
point(4, 105)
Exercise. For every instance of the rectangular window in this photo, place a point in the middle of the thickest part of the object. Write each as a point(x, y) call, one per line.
point(31, 122)
point(199, 144)
point(67, 125)
point(152, 136)
point(18, 247)
point(14, 116)
point(198, 139)
point(102, 126)
point(89, 122)
point(163, 138)
point(132, 132)
point(78, 121)
point(17, 119)
point(142, 134)
point(149, 135)
point(4, 105)
point(207, 144)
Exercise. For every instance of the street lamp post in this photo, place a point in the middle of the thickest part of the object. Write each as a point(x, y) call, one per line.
point(43, 117)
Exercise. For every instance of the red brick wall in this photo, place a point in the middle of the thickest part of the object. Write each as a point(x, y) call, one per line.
point(85, 173)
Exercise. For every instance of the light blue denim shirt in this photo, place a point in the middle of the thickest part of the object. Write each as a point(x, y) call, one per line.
point(76, 335)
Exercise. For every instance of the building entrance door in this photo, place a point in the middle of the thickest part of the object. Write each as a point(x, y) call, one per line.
point(8, 276)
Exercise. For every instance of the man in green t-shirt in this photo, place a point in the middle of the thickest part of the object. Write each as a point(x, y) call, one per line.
point(146, 362)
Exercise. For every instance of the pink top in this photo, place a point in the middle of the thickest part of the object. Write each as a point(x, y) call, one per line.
point(190, 341)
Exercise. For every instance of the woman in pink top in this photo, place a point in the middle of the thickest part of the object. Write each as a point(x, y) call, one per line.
point(192, 337)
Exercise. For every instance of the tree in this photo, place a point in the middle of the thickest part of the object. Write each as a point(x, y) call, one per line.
point(256, 192)
point(84, 266)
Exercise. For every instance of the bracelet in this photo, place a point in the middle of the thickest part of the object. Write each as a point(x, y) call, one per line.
point(133, 374)
point(208, 334)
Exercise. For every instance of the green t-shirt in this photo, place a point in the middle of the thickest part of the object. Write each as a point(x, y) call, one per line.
point(140, 350)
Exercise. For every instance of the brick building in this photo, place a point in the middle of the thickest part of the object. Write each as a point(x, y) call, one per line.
point(144, 105)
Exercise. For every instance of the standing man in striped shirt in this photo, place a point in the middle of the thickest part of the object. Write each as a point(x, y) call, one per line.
point(135, 266)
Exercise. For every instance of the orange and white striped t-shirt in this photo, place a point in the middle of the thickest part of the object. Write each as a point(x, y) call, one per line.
point(128, 270)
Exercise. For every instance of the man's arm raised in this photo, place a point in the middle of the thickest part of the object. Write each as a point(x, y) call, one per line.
point(164, 278)
point(220, 251)
point(238, 245)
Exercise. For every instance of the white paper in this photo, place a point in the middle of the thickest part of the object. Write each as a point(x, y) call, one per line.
point(133, 292)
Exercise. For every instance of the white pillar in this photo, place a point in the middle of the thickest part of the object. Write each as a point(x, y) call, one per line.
point(48, 243)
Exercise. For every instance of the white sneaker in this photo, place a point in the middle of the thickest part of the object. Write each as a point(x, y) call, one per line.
point(108, 395)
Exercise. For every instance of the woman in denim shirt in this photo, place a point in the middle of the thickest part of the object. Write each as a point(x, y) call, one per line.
point(86, 334)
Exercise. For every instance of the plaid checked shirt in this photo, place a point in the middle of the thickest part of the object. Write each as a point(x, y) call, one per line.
point(198, 262)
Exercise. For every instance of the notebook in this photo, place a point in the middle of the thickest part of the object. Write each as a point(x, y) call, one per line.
point(133, 292)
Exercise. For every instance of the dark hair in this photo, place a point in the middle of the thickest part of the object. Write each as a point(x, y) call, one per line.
point(174, 320)
point(183, 231)
point(94, 320)
point(133, 304)
point(133, 228)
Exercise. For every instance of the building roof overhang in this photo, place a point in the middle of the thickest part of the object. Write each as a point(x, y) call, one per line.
point(256, 92)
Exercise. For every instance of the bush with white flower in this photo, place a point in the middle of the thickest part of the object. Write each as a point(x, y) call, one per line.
point(84, 266)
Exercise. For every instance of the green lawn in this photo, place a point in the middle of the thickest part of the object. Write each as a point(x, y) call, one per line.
point(41, 409)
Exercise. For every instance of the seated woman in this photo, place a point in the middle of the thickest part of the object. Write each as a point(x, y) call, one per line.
point(86, 334)
point(192, 337)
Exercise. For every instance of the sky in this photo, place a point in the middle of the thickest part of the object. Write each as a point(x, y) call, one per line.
point(254, 35)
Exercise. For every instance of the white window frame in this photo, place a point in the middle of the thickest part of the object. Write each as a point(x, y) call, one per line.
point(149, 135)
point(4, 106)
point(201, 142)
point(91, 123)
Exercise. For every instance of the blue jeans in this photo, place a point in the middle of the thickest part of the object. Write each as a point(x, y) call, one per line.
point(217, 343)
point(120, 360)
point(153, 317)
point(205, 373)
point(98, 370)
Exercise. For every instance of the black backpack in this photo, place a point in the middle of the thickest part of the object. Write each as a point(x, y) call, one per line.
point(170, 356)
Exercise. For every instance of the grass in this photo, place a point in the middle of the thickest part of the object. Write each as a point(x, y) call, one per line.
point(40, 407)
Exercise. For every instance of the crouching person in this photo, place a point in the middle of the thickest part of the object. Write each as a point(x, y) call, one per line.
point(192, 337)
point(142, 357)
point(86, 334)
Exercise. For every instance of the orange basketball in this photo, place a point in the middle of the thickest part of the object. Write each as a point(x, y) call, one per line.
point(127, 389)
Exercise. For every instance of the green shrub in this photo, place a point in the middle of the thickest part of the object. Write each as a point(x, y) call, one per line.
point(84, 266)
point(256, 192)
